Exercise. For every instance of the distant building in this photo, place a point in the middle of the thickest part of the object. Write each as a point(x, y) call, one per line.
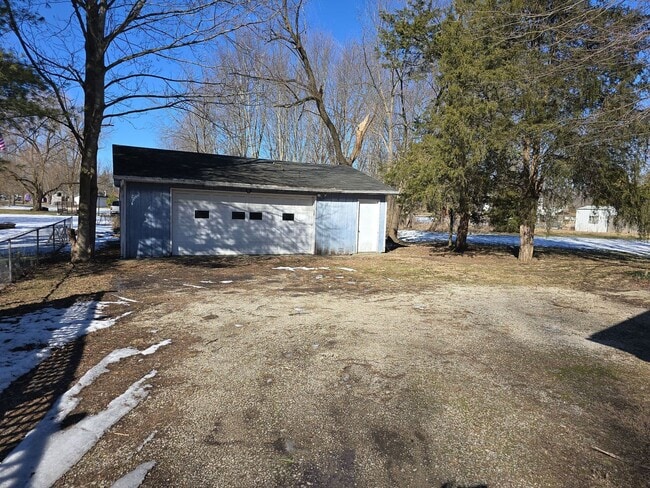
point(58, 197)
point(595, 219)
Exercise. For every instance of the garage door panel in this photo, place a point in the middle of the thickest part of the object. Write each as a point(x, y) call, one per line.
point(220, 233)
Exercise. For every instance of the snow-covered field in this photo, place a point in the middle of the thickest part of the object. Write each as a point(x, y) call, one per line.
point(637, 248)
point(27, 222)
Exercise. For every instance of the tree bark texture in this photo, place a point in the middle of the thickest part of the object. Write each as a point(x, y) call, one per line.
point(533, 181)
point(527, 231)
point(93, 115)
point(450, 237)
point(526, 248)
point(461, 232)
point(392, 217)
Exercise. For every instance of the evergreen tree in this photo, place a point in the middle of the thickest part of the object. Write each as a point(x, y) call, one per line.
point(22, 92)
point(536, 96)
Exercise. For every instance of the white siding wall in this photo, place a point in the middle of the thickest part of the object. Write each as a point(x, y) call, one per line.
point(593, 219)
point(217, 223)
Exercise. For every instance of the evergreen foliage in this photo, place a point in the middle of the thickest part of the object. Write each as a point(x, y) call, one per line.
point(538, 100)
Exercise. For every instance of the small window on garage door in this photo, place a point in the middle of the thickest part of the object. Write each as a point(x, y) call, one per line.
point(239, 215)
point(255, 216)
point(201, 214)
point(287, 216)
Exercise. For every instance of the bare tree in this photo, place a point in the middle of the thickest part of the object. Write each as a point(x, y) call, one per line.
point(307, 87)
point(127, 66)
point(40, 161)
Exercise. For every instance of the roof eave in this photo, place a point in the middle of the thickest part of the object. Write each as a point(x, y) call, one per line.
point(246, 186)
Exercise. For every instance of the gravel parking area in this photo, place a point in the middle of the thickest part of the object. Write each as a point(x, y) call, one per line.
point(414, 368)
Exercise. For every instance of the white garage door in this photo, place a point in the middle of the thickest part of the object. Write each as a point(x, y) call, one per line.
point(369, 214)
point(210, 223)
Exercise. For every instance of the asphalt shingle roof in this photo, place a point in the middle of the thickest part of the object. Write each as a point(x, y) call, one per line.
point(180, 167)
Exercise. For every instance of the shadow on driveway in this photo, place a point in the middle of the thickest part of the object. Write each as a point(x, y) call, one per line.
point(632, 336)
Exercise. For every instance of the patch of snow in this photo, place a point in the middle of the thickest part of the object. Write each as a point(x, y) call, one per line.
point(225, 282)
point(135, 477)
point(298, 268)
point(27, 340)
point(347, 269)
point(124, 299)
point(47, 453)
point(239, 325)
point(146, 441)
point(151, 349)
point(193, 286)
point(637, 248)
point(69, 401)
point(206, 282)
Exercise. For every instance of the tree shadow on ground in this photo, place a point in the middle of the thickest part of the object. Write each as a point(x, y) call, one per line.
point(497, 250)
point(452, 484)
point(473, 250)
point(392, 244)
point(631, 336)
point(29, 397)
point(217, 262)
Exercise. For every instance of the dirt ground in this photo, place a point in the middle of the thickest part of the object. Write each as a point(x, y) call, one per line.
point(416, 368)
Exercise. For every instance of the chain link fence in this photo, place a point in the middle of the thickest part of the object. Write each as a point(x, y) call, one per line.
point(21, 252)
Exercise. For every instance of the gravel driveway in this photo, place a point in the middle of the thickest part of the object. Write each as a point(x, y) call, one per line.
point(347, 372)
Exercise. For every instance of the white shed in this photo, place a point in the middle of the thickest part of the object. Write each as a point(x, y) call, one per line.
point(595, 219)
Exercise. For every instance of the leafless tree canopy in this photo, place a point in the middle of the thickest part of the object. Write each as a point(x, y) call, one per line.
point(286, 91)
point(113, 58)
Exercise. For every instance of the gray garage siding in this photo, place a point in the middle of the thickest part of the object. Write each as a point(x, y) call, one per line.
point(337, 223)
point(146, 221)
point(381, 245)
point(145, 212)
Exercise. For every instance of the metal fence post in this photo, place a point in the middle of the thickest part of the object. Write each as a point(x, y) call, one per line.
point(54, 238)
point(37, 244)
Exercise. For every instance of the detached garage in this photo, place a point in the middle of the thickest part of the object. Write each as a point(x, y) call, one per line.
point(183, 203)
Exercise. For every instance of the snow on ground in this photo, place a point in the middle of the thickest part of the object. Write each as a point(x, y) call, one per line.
point(28, 339)
point(27, 222)
point(135, 477)
point(297, 268)
point(47, 452)
point(637, 248)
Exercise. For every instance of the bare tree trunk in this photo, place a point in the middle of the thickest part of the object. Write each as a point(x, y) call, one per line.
point(527, 234)
point(38, 199)
point(94, 105)
point(528, 215)
point(461, 232)
point(450, 239)
point(392, 217)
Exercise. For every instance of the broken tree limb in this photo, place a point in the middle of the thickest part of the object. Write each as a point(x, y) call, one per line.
point(618, 458)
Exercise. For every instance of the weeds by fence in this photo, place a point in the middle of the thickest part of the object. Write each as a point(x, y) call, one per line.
point(21, 252)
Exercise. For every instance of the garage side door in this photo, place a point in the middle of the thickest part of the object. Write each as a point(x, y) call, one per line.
point(368, 240)
point(216, 223)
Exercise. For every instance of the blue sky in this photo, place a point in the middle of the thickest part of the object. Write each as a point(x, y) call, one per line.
point(341, 18)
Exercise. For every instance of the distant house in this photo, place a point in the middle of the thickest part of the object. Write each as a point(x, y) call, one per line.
point(184, 203)
point(595, 219)
point(58, 197)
